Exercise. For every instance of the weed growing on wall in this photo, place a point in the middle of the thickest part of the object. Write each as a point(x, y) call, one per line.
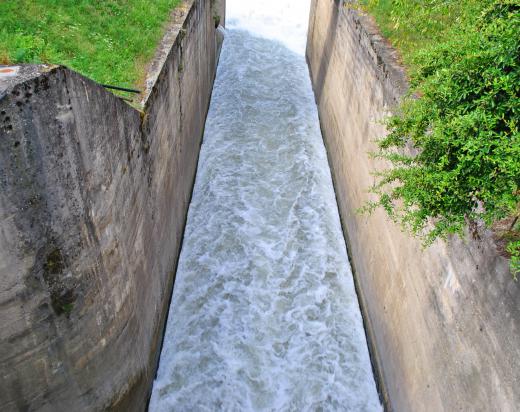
point(514, 249)
point(455, 142)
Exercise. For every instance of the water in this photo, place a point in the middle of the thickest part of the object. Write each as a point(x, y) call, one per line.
point(264, 315)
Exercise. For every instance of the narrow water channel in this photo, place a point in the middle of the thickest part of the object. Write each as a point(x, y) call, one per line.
point(264, 315)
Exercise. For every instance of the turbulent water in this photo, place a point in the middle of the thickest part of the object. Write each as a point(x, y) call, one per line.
point(264, 315)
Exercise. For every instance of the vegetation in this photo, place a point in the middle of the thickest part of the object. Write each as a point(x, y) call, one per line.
point(415, 25)
point(514, 249)
point(455, 142)
point(110, 41)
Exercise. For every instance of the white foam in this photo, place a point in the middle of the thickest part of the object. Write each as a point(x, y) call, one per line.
point(280, 20)
point(264, 315)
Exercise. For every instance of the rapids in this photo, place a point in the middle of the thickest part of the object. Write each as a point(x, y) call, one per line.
point(264, 314)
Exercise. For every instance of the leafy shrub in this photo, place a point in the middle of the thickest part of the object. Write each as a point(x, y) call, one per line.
point(454, 145)
point(514, 249)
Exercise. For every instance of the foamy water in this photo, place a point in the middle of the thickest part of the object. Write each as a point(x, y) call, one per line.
point(284, 21)
point(264, 315)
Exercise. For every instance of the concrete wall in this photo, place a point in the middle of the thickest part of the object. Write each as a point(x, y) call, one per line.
point(93, 200)
point(444, 323)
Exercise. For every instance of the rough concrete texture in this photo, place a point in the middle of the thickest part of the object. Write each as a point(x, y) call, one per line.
point(444, 322)
point(93, 200)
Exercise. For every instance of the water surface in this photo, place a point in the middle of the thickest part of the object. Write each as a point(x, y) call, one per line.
point(264, 315)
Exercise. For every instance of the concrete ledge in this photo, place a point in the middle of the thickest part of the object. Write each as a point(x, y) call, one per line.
point(93, 201)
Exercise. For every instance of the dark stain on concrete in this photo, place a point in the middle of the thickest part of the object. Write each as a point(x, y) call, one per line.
point(62, 296)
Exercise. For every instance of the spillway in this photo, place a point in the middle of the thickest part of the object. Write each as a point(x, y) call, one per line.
point(264, 314)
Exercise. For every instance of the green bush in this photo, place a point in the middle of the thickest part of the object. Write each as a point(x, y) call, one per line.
point(454, 144)
point(514, 249)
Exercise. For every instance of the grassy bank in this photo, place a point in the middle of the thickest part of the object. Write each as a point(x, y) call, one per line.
point(462, 116)
point(110, 41)
point(415, 25)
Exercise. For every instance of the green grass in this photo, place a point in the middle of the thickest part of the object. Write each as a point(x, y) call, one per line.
point(413, 25)
point(110, 41)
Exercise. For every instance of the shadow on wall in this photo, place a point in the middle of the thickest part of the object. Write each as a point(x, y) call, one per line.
point(324, 60)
